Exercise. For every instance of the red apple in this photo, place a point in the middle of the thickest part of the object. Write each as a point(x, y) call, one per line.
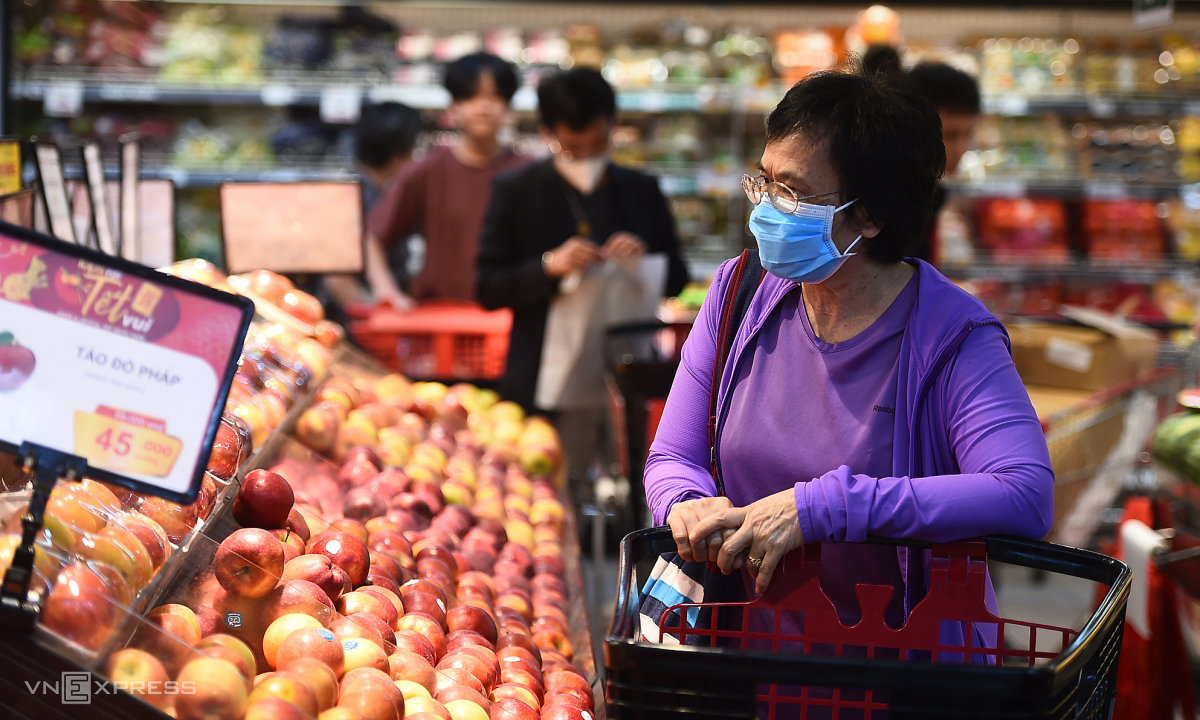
point(462, 692)
point(357, 628)
point(293, 546)
point(226, 453)
point(483, 671)
point(317, 677)
point(520, 641)
point(369, 704)
point(80, 607)
point(357, 473)
point(298, 596)
point(369, 678)
point(426, 626)
point(288, 688)
point(404, 665)
point(423, 602)
point(568, 699)
point(466, 617)
point(365, 602)
point(362, 503)
point(265, 707)
point(451, 676)
point(565, 712)
point(139, 673)
point(176, 520)
point(361, 653)
point(347, 552)
point(219, 691)
point(569, 681)
point(264, 501)
point(512, 708)
point(319, 570)
point(467, 638)
point(316, 643)
point(249, 562)
point(150, 534)
point(416, 643)
point(516, 692)
point(352, 526)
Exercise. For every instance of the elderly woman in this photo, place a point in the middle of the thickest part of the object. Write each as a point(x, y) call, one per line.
point(864, 394)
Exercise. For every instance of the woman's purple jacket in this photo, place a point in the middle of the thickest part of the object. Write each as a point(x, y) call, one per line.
point(969, 457)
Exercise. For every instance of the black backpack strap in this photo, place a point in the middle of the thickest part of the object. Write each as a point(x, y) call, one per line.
point(747, 275)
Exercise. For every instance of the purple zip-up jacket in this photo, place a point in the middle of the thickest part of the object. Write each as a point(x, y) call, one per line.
point(930, 497)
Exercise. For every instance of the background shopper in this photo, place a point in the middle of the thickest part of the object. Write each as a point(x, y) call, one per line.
point(558, 217)
point(956, 97)
point(384, 138)
point(443, 196)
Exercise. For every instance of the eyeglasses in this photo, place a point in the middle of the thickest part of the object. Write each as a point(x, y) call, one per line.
point(781, 196)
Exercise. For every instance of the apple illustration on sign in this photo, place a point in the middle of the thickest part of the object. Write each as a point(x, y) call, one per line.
point(16, 363)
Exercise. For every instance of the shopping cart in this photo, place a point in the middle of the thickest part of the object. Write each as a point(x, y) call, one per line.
point(1095, 444)
point(819, 668)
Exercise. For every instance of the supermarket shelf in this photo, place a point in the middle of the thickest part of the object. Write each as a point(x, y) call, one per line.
point(1132, 272)
point(308, 88)
point(201, 177)
point(1069, 187)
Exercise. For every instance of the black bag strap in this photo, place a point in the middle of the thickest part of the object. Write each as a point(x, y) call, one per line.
point(747, 275)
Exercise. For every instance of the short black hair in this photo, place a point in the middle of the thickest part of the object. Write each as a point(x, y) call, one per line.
point(576, 97)
point(948, 88)
point(885, 144)
point(883, 59)
point(462, 76)
point(385, 131)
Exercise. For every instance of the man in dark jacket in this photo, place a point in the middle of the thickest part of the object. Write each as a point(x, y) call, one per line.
point(552, 220)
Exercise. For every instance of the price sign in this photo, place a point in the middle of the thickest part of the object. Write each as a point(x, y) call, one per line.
point(63, 99)
point(341, 104)
point(113, 362)
point(10, 167)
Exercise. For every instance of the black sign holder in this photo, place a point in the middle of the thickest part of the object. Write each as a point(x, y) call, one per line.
point(18, 609)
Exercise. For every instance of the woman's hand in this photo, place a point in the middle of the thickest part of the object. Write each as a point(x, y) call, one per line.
point(765, 530)
point(684, 516)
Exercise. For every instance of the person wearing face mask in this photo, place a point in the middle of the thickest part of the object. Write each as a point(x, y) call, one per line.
point(443, 195)
point(864, 394)
point(550, 221)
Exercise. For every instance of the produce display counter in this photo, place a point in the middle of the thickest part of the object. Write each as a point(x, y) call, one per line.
point(61, 670)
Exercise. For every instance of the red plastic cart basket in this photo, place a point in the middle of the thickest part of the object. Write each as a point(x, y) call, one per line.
point(787, 654)
point(439, 340)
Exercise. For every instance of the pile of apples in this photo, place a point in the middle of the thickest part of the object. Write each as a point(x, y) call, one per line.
point(421, 578)
point(101, 545)
point(279, 362)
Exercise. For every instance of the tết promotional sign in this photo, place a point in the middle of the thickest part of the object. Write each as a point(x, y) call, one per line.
point(114, 362)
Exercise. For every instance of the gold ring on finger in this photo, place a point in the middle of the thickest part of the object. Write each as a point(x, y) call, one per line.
point(756, 563)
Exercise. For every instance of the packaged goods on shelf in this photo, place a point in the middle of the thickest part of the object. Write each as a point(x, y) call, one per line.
point(1026, 65)
point(1123, 230)
point(1024, 229)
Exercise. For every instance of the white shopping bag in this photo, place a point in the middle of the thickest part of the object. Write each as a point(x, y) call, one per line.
point(571, 376)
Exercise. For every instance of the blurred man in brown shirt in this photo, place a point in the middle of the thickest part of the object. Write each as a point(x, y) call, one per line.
point(444, 195)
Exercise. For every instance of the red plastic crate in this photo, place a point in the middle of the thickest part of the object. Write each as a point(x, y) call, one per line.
point(439, 340)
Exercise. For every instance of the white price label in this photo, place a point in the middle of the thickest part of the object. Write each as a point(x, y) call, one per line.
point(1105, 190)
point(341, 104)
point(124, 92)
point(1102, 107)
point(278, 95)
point(1006, 105)
point(63, 99)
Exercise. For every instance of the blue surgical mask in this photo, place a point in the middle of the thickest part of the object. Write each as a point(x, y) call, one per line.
point(798, 246)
